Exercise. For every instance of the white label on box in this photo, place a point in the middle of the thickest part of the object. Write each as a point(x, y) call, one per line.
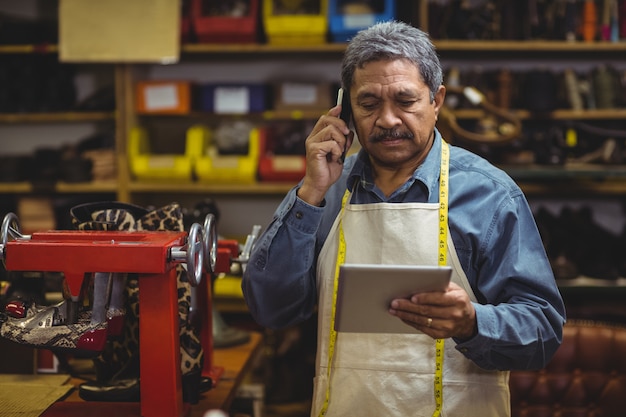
point(231, 100)
point(288, 163)
point(160, 97)
point(294, 93)
point(226, 162)
point(358, 21)
point(160, 162)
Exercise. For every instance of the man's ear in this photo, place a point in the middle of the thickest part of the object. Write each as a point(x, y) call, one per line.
point(440, 97)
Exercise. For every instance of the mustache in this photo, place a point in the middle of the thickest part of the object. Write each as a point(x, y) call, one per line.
point(383, 134)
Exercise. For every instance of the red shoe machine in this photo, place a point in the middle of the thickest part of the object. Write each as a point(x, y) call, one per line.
point(153, 256)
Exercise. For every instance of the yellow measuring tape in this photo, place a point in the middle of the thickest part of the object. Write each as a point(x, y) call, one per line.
point(341, 259)
point(442, 260)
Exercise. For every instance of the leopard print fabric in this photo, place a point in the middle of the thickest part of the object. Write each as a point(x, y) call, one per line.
point(62, 338)
point(192, 355)
point(120, 357)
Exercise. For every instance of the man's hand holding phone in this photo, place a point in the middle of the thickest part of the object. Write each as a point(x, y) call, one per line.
point(326, 147)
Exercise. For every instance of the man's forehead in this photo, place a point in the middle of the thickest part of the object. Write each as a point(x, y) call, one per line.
point(387, 77)
point(387, 69)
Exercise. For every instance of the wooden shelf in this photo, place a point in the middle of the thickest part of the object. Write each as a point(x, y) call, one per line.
point(15, 187)
point(567, 171)
point(61, 187)
point(267, 115)
point(460, 45)
point(587, 283)
point(29, 49)
point(534, 46)
point(560, 114)
point(87, 187)
point(202, 188)
point(154, 187)
point(56, 117)
point(556, 180)
point(262, 49)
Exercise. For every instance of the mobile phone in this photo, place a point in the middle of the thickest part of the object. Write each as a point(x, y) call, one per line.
point(346, 108)
point(345, 115)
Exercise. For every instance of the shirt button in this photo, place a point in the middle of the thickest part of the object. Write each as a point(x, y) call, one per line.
point(299, 215)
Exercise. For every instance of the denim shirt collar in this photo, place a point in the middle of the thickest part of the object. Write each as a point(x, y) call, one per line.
point(427, 173)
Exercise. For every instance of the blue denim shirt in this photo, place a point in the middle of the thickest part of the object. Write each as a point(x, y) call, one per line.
point(520, 312)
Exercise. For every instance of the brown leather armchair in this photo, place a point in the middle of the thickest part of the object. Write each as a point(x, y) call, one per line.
point(585, 378)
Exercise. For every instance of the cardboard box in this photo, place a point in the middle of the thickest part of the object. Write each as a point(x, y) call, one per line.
point(119, 31)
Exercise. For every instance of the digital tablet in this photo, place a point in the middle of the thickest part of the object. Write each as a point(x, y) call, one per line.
point(365, 291)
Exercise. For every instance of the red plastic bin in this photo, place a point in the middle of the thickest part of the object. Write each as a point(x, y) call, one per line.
point(213, 28)
point(278, 168)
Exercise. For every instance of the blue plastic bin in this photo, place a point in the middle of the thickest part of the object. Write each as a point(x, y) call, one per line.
point(343, 26)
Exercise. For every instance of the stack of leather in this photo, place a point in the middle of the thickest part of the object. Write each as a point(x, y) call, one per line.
point(35, 214)
point(104, 166)
point(91, 159)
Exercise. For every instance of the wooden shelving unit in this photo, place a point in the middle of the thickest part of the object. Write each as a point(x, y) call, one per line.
point(125, 117)
point(534, 179)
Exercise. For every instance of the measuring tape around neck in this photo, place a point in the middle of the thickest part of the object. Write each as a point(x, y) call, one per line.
point(332, 339)
point(442, 261)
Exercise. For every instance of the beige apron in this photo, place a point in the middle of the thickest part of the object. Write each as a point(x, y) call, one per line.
point(392, 374)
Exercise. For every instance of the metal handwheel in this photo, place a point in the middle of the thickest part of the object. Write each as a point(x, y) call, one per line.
point(192, 254)
point(210, 242)
point(10, 228)
point(195, 255)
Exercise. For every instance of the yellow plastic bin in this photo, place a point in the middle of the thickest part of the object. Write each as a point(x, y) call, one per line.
point(145, 165)
point(211, 166)
point(287, 23)
point(228, 286)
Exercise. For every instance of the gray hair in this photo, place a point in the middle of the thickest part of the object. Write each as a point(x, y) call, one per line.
point(390, 41)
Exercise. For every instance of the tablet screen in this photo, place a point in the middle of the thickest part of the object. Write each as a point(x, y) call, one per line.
point(365, 291)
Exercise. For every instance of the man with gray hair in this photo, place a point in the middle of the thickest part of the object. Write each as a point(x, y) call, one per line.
point(407, 198)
